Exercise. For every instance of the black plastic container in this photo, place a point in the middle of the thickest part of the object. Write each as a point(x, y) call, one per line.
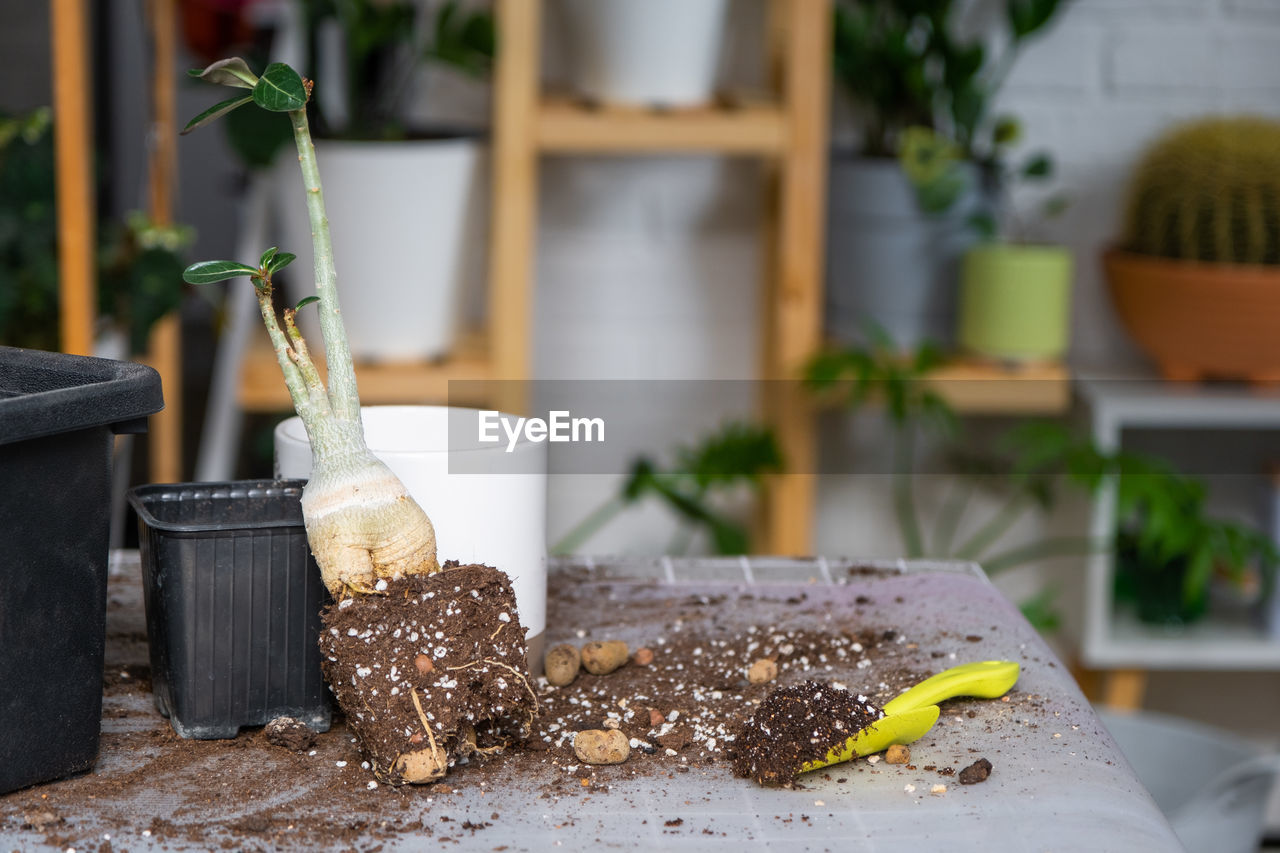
point(58, 414)
point(233, 599)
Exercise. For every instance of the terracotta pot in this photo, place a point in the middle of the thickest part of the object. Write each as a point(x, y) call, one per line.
point(1200, 321)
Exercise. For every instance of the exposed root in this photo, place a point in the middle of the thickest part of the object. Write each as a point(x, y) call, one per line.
point(517, 673)
point(422, 765)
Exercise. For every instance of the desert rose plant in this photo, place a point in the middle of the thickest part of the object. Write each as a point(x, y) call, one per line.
point(397, 681)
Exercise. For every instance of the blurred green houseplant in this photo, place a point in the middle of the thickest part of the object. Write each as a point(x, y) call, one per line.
point(901, 65)
point(736, 456)
point(139, 265)
point(1168, 548)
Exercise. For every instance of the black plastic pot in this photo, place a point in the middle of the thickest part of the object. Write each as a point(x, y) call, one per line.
point(233, 599)
point(58, 414)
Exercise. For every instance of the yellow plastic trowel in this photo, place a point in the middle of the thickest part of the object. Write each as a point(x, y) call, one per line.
point(909, 716)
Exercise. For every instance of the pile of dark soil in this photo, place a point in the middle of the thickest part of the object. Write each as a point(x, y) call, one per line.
point(796, 725)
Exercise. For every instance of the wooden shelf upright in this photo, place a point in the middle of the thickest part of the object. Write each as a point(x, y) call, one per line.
point(73, 137)
point(789, 130)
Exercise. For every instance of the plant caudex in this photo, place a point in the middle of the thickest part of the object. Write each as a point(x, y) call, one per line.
point(362, 524)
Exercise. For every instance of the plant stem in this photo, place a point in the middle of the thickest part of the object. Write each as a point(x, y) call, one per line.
point(996, 527)
point(309, 406)
point(1062, 546)
point(904, 502)
point(589, 526)
point(344, 402)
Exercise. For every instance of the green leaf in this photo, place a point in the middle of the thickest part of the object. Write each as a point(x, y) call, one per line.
point(281, 261)
point(1027, 16)
point(1039, 166)
point(228, 72)
point(984, 225)
point(304, 302)
point(267, 256)
point(215, 112)
point(1007, 131)
point(207, 272)
point(280, 89)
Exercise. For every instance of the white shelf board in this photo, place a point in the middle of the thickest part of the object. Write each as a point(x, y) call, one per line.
point(1152, 402)
point(1214, 643)
point(1117, 639)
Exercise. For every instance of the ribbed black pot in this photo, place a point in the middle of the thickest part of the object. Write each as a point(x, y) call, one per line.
point(233, 599)
point(58, 416)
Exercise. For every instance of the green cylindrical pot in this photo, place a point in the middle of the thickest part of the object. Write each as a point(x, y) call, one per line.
point(1015, 302)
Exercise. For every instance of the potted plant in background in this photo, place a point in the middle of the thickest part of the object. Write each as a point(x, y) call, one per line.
point(1170, 552)
point(694, 486)
point(425, 183)
point(1167, 547)
point(1196, 276)
point(893, 247)
point(645, 52)
point(139, 265)
point(1015, 292)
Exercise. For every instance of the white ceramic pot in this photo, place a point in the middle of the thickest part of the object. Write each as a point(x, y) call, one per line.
point(661, 52)
point(409, 232)
point(487, 505)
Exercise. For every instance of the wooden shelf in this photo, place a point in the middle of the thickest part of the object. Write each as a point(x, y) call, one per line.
point(410, 383)
point(976, 387)
point(986, 388)
point(563, 124)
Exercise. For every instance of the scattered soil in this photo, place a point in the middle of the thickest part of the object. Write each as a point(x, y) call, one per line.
point(682, 711)
point(796, 725)
point(430, 672)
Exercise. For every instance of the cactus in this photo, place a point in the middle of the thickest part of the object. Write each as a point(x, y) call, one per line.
point(1209, 191)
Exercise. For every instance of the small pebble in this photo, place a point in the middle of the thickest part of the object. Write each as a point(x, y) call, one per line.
point(655, 718)
point(762, 671)
point(423, 664)
point(602, 658)
point(561, 665)
point(976, 772)
point(897, 754)
point(938, 789)
point(873, 759)
point(643, 656)
point(596, 746)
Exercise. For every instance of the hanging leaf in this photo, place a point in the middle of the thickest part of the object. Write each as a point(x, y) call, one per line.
point(207, 272)
point(304, 302)
point(228, 72)
point(280, 89)
point(214, 112)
